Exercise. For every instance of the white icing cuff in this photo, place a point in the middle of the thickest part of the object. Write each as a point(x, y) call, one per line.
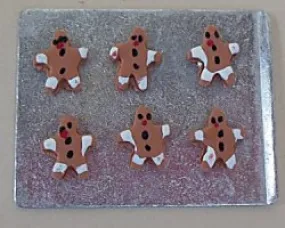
point(210, 156)
point(142, 83)
point(81, 169)
point(41, 58)
point(198, 53)
point(158, 159)
point(114, 52)
point(224, 73)
point(86, 142)
point(199, 135)
point(123, 80)
point(231, 162)
point(126, 136)
point(237, 134)
point(150, 56)
point(59, 168)
point(51, 82)
point(207, 75)
point(50, 144)
point(165, 130)
point(137, 160)
point(234, 48)
point(74, 82)
point(83, 52)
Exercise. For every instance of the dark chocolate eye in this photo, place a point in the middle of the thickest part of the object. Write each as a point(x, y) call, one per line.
point(148, 116)
point(64, 39)
point(213, 120)
point(134, 37)
point(140, 38)
point(61, 129)
point(54, 42)
point(217, 35)
point(220, 119)
point(140, 116)
point(69, 125)
point(207, 35)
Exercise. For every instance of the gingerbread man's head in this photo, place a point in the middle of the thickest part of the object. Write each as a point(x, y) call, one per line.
point(138, 37)
point(217, 118)
point(60, 40)
point(67, 126)
point(143, 116)
point(212, 37)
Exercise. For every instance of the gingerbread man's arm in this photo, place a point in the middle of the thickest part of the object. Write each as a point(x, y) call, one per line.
point(126, 136)
point(83, 52)
point(49, 147)
point(115, 52)
point(238, 133)
point(87, 141)
point(153, 57)
point(234, 48)
point(41, 60)
point(197, 54)
point(165, 128)
point(199, 135)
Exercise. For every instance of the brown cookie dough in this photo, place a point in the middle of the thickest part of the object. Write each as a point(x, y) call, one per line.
point(146, 137)
point(134, 58)
point(61, 63)
point(214, 57)
point(69, 148)
point(219, 140)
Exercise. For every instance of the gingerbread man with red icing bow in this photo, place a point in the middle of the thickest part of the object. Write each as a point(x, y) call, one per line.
point(146, 137)
point(214, 57)
point(134, 58)
point(219, 140)
point(61, 62)
point(69, 148)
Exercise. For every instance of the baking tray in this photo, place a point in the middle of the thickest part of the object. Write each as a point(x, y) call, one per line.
point(173, 94)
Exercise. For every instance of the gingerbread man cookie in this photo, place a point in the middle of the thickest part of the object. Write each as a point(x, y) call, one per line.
point(146, 137)
point(134, 58)
point(214, 57)
point(61, 62)
point(219, 140)
point(69, 148)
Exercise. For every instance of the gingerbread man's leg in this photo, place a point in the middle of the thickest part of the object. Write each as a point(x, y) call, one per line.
point(158, 159)
point(209, 158)
point(82, 170)
point(206, 77)
point(122, 82)
point(74, 82)
point(142, 83)
point(137, 161)
point(227, 74)
point(58, 170)
point(231, 162)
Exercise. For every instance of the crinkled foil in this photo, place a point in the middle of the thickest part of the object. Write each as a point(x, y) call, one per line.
point(173, 94)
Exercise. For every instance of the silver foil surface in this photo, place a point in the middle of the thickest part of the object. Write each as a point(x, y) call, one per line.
point(173, 94)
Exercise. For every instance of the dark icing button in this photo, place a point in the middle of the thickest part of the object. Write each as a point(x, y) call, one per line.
point(135, 52)
point(69, 154)
point(221, 146)
point(68, 141)
point(214, 48)
point(62, 52)
point(147, 147)
point(61, 129)
point(145, 135)
point(217, 60)
point(221, 134)
point(136, 66)
point(62, 70)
